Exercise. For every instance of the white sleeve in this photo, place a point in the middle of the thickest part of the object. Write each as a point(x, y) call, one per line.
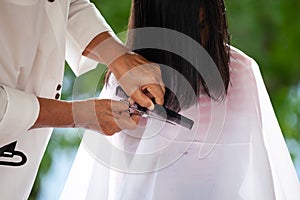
point(3, 103)
point(18, 112)
point(84, 23)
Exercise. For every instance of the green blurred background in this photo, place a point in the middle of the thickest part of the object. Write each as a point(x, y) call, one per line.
point(268, 31)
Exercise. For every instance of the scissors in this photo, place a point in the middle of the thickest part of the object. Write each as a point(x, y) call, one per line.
point(137, 110)
point(159, 112)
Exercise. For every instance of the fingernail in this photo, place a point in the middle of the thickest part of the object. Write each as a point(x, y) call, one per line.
point(151, 107)
point(131, 101)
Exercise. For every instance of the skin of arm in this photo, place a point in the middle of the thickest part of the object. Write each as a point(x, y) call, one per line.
point(102, 115)
point(136, 75)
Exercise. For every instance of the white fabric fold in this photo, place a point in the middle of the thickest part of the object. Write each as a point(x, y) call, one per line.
point(82, 18)
point(3, 103)
point(235, 151)
point(285, 181)
point(32, 64)
point(21, 112)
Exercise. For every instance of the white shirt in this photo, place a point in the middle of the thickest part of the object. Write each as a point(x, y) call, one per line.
point(35, 38)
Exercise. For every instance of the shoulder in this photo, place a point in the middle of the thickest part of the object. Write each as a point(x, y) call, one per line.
point(240, 61)
point(244, 70)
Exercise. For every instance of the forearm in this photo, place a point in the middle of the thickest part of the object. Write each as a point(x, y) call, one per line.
point(54, 113)
point(100, 115)
point(106, 48)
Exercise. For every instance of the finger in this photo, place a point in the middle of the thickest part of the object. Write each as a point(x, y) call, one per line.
point(127, 122)
point(131, 101)
point(156, 92)
point(119, 106)
point(111, 130)
point(141, 59)
point(121, 114)
point(107, 125)
point(144, 101)
point(135, 118)
point(162, 86)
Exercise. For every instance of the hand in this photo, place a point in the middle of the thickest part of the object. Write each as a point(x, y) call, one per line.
point(140, 79)
point(103, 115)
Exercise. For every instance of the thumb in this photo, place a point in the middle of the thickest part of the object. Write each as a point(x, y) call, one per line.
point(142, 99)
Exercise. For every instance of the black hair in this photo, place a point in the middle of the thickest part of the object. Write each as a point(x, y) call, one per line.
point(184, 16)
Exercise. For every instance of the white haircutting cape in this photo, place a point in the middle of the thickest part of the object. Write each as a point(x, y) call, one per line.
point(234, 151)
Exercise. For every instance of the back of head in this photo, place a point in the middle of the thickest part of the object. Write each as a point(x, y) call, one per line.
point(203, 21)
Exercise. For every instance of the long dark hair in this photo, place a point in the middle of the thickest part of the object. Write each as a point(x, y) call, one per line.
point(202, 20)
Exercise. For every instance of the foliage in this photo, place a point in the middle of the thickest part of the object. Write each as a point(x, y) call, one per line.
point(267, 30)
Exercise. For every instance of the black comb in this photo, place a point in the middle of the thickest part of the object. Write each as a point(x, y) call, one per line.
point(161, 111)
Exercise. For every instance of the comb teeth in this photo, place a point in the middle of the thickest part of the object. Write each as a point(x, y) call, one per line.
point(163, 112)
point(120, 93)
point(173, 116)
